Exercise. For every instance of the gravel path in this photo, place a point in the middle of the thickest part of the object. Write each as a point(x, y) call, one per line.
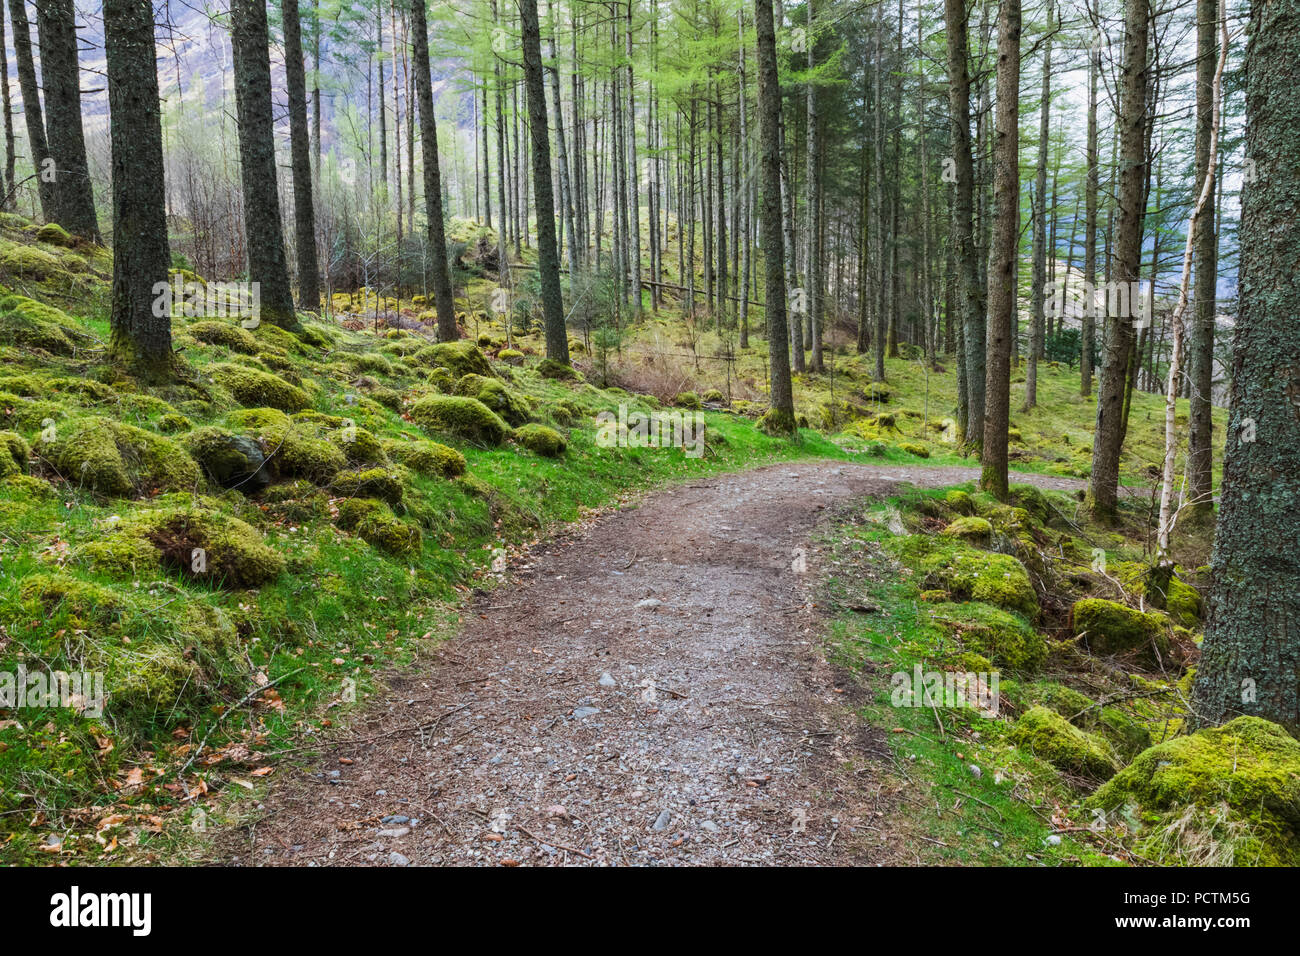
point(648, 689)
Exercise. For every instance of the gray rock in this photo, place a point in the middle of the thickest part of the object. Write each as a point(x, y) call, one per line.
point(395, 832)
point(607, 681)
point(581, 712)
point(396, 818)
point(396, 859)
point(649, 602)
point(661, 821)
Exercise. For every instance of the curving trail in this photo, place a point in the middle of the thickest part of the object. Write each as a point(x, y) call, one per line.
point(648, 690)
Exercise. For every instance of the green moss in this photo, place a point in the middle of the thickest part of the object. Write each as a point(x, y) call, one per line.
point(991, 632)
point(368, 362)
point(225, 334)
point(461, 357)
point(227, 459)
point(428, 458)
point(512, 409)
point(920, 451)
point(14, 452)
point(172, 423)
point(1032, 500)
point(54, 234)
point(541, 440)
point(1048, 736)
point(30, 262)
point(28, 487)
point(777, 423)
point(117, 459)
point(557, 371)
point(1111, 628)
point(687, 400)
point(973, 529)
point(465, 418)
point(1127, 737)
point(511, 357)
point(1249, 765)
point(37, 325)
point(293, 449)
point(967, 573)
point(370, 483)
point(1162, 588)
point(254, 389)
point(714, 395)
point(960, 502)
point(375, 523)
point(358, 445)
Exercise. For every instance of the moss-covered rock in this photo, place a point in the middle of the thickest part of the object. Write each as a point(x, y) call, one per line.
point(541, 440)
point(24, 261)
point(55, 235)
point(557, 371)
point(465, 418)
point(959, 501)
point(14, 452)
point(113, 458)
point(225, 334)
point(511, 357)
point(687, 400)
point(368, 483)
point(1001, 636)
point(1162, 588)
point(196, 541)
point(292, 449)
point(512, 409)
point(912, 448)
point(228, 460)
point(36, 325)
point(1049, 736)
point(1249, 765)
point(256, 389)
point(1033, 501)
point(461, 358)
point(967, 573)
point(973, 529)
point(1127, 736)
point(1111, 628)
point(428, 458)
point(375, 523)
point(358, 445)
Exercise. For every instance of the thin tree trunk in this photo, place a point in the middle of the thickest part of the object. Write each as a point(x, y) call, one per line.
point(30, 89)
point(304, 211)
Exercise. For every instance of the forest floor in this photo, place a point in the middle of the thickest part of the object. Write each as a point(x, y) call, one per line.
point(649, 687)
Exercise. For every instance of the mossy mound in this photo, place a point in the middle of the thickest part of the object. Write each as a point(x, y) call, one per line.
point(465, 418)
point(358, 445)
point(1049, 736)
point(368, 483)
point(714, 395)
point(428, 458)
point(999, 635)
point(687, 400)
point(967, 573)
point(255, 389)
point(511, 357)
point(112, 458)
point(974, 529)
point(959, 501)
point(292, 449)
point(556, 371)
point(228, 460)
point(1126, 736)
point(920, 451)
point(541, 440)
point(461, 358)
point(1162, 589)
point(225, 334)
point(512, 409)
point(776, 423)
point(14, 452)
point(1250, 765)
point(55, 235)
point(36, 325)
point(375, 523)
point(199, 542)
point(32, 263)
point(1033, 501)
point(1111, 628)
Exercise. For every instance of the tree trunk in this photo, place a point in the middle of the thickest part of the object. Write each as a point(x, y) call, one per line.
point(781, 416)
point(267, 266)
point(1200, 442)
point(1037, 296)
point(141, 337)
point(548, 255)
point(9, 184)
point(1002, 254)
point(1251, 654)
point(1103, 486)
point(30, 89)
point(436, 236)
point(1088, 335)
point(304, 210)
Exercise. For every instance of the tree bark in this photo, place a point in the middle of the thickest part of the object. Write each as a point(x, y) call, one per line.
point(1002, 254)
point(304, 210)
point(267, 266)
point(436, 232)
point(31, 91)
point(1251, 654)
point(140, 337)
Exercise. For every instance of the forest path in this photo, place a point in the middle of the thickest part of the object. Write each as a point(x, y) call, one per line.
point(649, 688)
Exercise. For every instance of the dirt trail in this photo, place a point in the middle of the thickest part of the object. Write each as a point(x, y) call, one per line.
point(648, 689)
